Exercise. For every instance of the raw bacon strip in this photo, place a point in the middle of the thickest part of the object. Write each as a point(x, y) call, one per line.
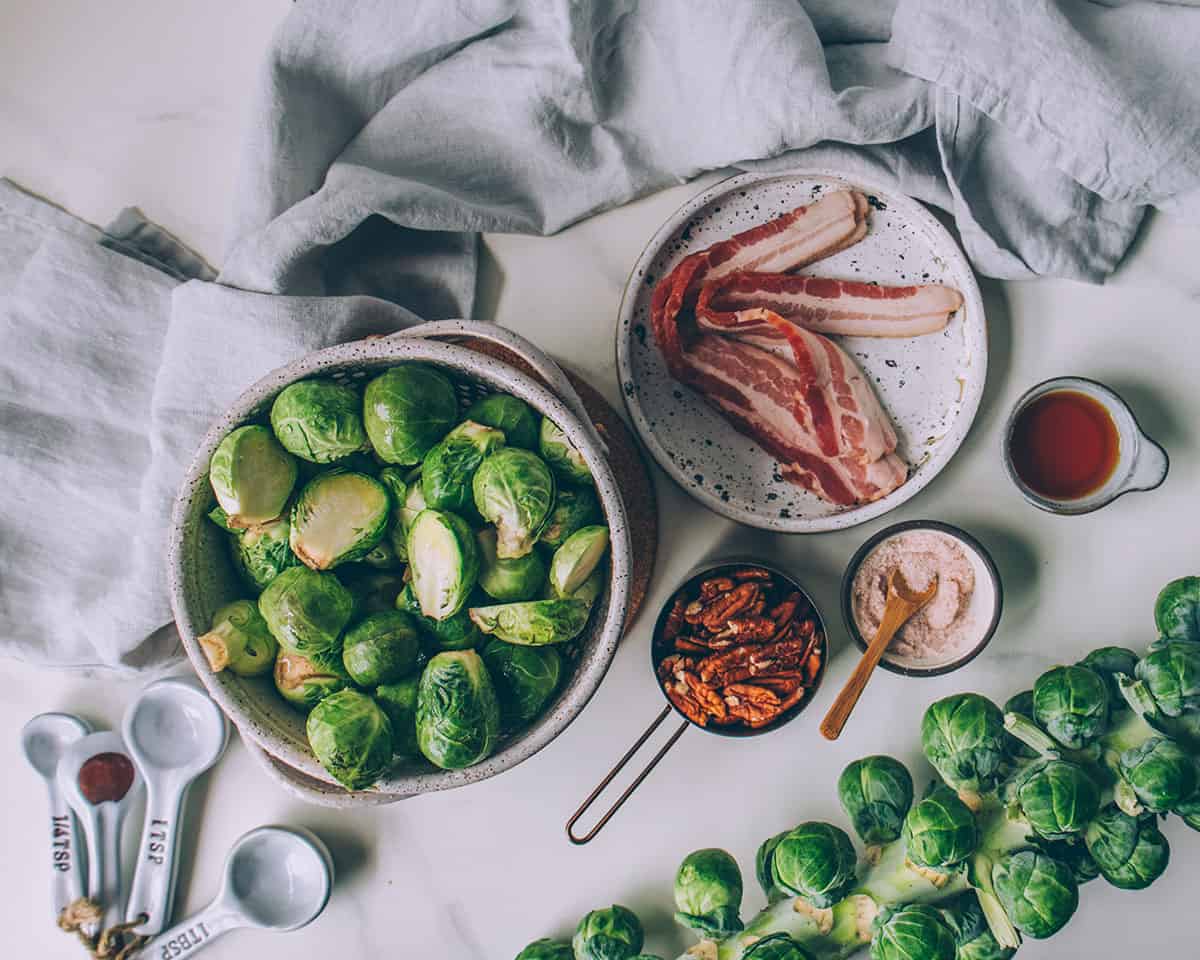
point(849, 307)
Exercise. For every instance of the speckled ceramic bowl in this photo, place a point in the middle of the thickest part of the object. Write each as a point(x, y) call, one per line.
point(201, 578)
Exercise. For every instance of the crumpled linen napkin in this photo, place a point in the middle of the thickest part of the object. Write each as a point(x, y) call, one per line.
point(386, 135)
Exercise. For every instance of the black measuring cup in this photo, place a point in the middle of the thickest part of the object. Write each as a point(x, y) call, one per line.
point(661, 648)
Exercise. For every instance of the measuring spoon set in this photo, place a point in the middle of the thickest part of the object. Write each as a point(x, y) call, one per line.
point(276, 878)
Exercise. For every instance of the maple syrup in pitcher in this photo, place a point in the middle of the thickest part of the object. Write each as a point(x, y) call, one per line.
point(1065, 445)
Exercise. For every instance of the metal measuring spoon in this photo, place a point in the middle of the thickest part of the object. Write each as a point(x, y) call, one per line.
point(100, 782)
point(174, 733)
point(43, 740)
point(276, 878)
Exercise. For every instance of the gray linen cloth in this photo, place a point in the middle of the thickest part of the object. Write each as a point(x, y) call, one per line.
point(386, 135)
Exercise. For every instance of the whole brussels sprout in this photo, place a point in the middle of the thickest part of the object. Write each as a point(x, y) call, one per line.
point(399, 701)
point(383, 648)
point(259, 553)
point(449, 468)
point(458, 716)
point(443, 559)
point(305, 610)
point(1160, 773)
point(973, 939)
point(708, 893)
point(776, 946)
point(374, 590)
point(914, 931)
point(816, 862)
point(1074, 853)
point(1131, 852)
point(514, 490)
point(1022, 704)
point(561, 454)
point(252, 476)
point(963, 737)
point(763, 862)
point(239, 641)
point(1038, 893)
point(546, 949)
point(1110, 663)
point(511, 416)
point(613, 933)
point(1071, 704)
point(457, 632)
point(577, 558)
point(339, 517)
point(534, 622)
point(508, 581)
point(319, 420)
point(395, 482)
point(406, 410)
point(1172, 675)
point(525, 678)
point(574, 508)
point(876, 793)
point(1057, 798)
point(940, 831)
point(381, 556)
point(1177, 610)
point(305, 681)
point(351, 737)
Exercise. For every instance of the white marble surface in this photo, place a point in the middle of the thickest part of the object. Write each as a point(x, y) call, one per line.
point(106, 105)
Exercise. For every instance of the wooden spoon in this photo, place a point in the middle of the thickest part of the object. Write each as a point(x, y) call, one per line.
point(902, 603)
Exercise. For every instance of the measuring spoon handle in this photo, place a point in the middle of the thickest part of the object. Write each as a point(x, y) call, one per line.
point(153, 891)
point(107, 873)
point(66, 864)
point(193, 934)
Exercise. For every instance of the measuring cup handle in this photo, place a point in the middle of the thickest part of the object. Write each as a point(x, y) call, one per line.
point(153, 890)
point(194, 933)
point(66, 865)
point(637, 781)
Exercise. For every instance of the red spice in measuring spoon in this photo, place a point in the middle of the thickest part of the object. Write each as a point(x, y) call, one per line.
point(106, 777)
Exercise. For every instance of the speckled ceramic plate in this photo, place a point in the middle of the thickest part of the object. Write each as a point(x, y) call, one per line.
point(930, 386)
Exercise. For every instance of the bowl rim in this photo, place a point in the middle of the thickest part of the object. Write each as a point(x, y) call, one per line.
point(950, 530)
point(702, 570)
point(410, 346)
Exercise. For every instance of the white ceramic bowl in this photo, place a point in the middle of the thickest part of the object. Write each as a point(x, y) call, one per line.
point(201, 578)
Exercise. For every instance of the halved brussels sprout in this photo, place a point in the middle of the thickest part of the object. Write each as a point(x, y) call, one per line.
point(1038, 893)
point(574, 508)
point(876, 793)
point(393, 480)
point(561, 454)
point(508, 414)
point(408, 409)
point(306, 611)
point(1131, 852)
point(514, 489)
point(239, 641)
point(454, 633)
point(1057, 798)
point(399, 701)
point(816, 862)
point(319, 420)
point(1160, 773)
point(383, 648)
point(940, 831)
point(449, 468)
point(708, 893)
point(259, 553)
point(458, 716)
point(305, 681)
point(1071, 703)
point(913, 931)
point(351, 737)
point(525, 678)
point(546, 949)
point(252, 476)
point(520, 578)
point(443, 559)
point(963, 736)
point(1177, 610)
point(534, 622)
point(614, 933)
point(575, 560)
point(339, 517)
point(1172, 675)
point(1111, 662)
point(973, 938)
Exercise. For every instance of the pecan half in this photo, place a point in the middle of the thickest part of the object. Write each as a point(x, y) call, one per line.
point(812, 665)
point(681, 696)
point(690, 645)
point(709, 699)
point(715, 586)
point(751, 573)
point(693, 612)
point(782, 684)
point(744, 662)
point(747, 629)
point(756, 706)
point(673, 625)
point(785, 610)
point(671, 665)
point(728, 605)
